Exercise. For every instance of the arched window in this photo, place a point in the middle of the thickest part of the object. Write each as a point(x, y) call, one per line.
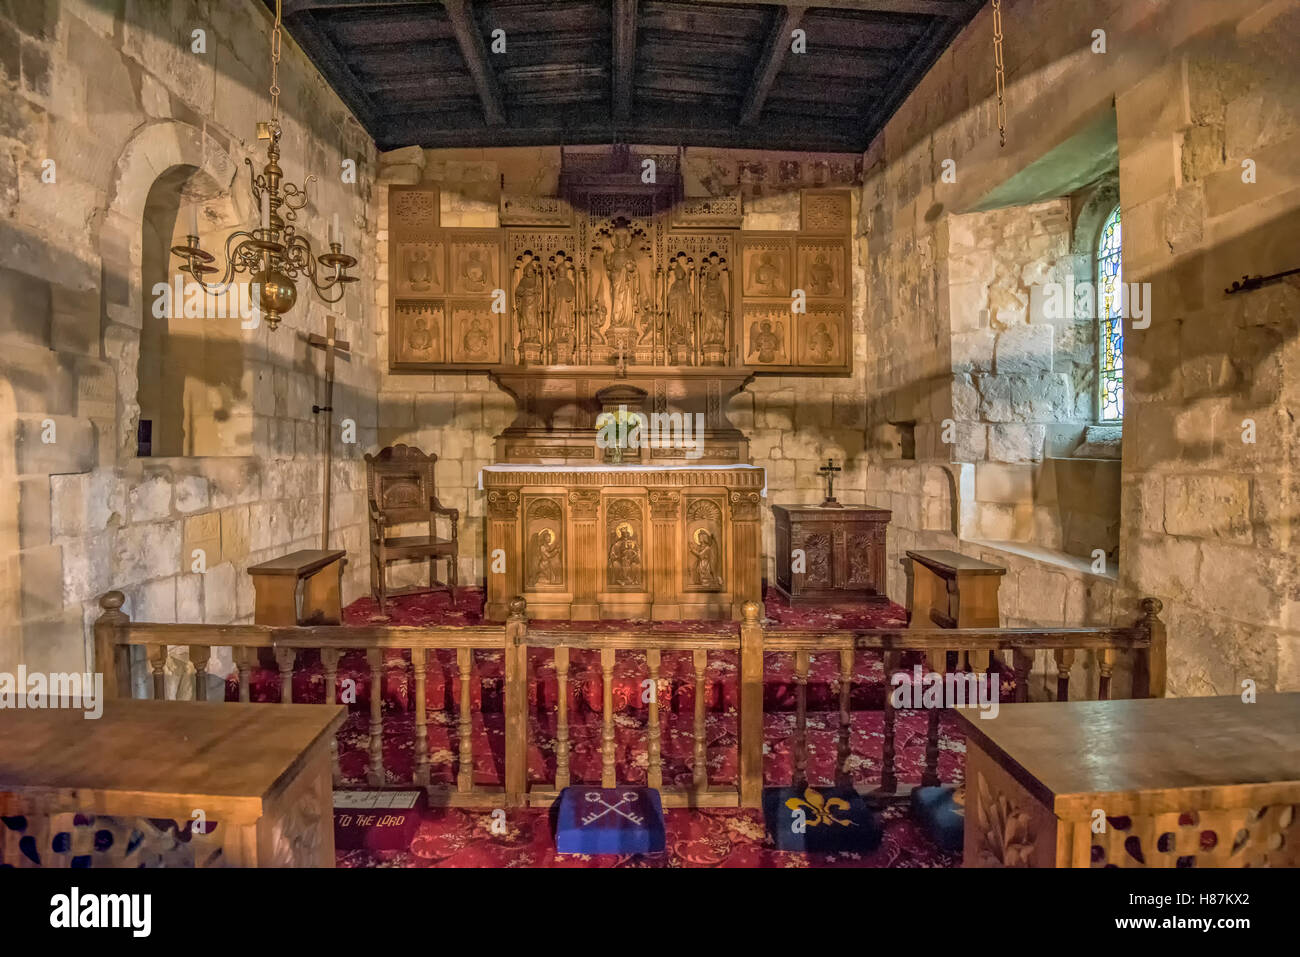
point(1110, 326)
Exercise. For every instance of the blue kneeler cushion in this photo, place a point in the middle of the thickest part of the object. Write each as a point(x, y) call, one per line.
point(820, 819)
point(592, 820)
point(941, 813)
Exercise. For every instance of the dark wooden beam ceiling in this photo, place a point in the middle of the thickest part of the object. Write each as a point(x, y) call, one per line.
point(690, 72)
point(624, 57)
point(778, 47)
point(474, 50)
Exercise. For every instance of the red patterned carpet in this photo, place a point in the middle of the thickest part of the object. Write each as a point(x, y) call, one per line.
point(704, 838)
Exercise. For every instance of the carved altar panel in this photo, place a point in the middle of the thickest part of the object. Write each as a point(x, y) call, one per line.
point(767, 334)
point(823, 268)
point(768, 265)
point(474, 258)
point(475, 332)
point(820, 336)
point(826, 211)
point(521, 209)
point(543, 295)
point(545, 558)
point(417, 332)
point(420, 269)
point(709, 211)
point(625, 543)
point(412, 211)
point(704, 561)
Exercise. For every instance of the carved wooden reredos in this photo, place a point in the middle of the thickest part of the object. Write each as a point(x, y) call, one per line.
point(616, 275)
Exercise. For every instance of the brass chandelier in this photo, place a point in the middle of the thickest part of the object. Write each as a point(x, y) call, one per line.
point(276, 255)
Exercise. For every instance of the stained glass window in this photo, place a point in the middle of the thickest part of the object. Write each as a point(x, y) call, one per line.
point(1110, 327)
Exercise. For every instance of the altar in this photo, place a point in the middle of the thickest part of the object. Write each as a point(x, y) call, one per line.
point(664, 542)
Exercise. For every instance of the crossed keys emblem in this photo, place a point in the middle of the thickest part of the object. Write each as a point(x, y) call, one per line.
point(594, 797)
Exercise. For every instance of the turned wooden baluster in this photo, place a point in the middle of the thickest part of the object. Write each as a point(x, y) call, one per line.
point(418, 664)
point(655, 770)
point(375, 658)
point(607, 779)
point(888, 770)
point(285, 657)
point(700, 765)
point(199, 659)
point(329, 657)
point(1105, 662)
point(1022, 662)
point(562, 718)
point(801, 718)
point(844, 750)
point(930, 776)
point(465, 754)
point(158, 661)
point(243, 657)
point(1064, 662)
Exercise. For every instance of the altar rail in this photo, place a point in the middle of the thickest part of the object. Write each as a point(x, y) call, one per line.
point(115, 633)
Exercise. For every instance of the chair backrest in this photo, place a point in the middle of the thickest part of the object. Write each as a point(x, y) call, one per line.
point(399, 482)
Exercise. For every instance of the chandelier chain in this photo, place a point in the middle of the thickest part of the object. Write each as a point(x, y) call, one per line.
point(276, 33)
point(999, 72)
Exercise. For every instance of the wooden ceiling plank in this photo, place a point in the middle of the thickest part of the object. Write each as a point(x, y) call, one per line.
point(778, 45)
point(624, 57)
point(955, 9)
point(474, 51)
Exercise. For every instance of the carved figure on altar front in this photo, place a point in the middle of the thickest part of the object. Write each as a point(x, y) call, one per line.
point(544, 559)
point(528, 302)
point(713, 300)
point(625, 558)
point(679, 309)
point(704, 551)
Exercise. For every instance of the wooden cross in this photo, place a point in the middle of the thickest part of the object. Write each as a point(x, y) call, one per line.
point(829, 470)
point(331, 347)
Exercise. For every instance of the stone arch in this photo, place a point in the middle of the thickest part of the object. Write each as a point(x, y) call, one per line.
point(154, 151)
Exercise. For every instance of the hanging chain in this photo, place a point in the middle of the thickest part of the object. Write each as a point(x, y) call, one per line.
point(999, 71)
point(275, 63)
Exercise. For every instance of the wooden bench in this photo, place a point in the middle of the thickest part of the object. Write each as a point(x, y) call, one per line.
point(952, 590)
point(301, 588)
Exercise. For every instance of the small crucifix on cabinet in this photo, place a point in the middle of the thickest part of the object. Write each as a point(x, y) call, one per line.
point(829, 470)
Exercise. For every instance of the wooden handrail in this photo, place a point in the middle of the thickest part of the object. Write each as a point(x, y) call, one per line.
point(115, 633)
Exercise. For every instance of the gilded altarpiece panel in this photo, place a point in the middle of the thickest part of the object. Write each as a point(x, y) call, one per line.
point(705, 561)
point(545, 558)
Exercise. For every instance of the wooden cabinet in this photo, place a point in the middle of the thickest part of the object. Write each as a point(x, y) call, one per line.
point(831, 553)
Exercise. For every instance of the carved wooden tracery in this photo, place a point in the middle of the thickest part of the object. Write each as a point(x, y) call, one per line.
point(619, 272)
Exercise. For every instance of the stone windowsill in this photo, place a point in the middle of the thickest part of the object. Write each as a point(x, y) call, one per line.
point(1048, 556)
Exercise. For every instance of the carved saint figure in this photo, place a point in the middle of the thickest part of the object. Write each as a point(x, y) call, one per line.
point(419, 269)
point(820, 344)
point(475, 273)
point(768, 274)
point(679, 306)
point(704, 550)
point(625, 557)
point(713, 301)
point(528, 302)
point(624, 281)
point(419, 338)
point(563, 296)
point(544, 559)
point(476, 339)
point(764, 341)
point(822, 276)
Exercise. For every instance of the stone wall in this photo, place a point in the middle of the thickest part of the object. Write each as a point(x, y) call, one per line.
point(114, 97)
point(1198, 87)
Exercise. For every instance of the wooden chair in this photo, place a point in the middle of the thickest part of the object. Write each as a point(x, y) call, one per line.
point(400, 490)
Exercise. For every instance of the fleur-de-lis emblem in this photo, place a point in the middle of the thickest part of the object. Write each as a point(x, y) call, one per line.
point(818, 809)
